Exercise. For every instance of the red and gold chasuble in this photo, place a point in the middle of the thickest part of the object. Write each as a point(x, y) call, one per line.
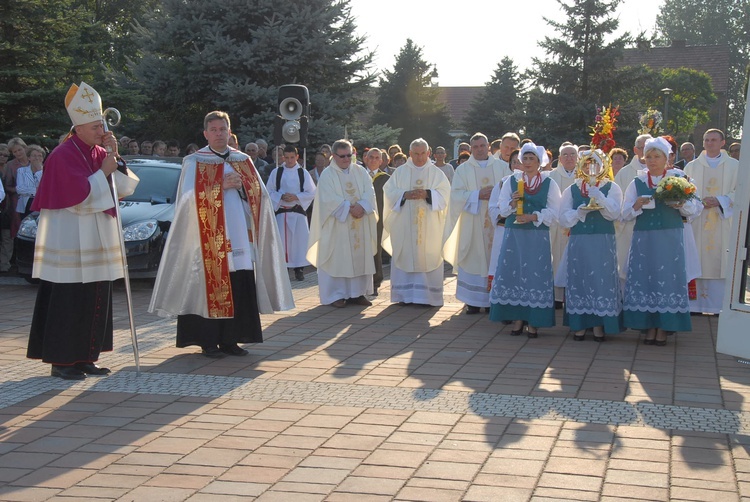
point(215, 245)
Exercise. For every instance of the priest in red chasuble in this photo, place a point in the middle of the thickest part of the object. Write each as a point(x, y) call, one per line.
point(223, 264)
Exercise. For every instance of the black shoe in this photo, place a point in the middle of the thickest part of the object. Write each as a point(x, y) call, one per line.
point(649, 341)
point(93, 369)
point(232, 349)
point(531, 334)
point(471, 310)
point(212, 352)
point(360, 300)
point(67, 373)
point(299, 274)
point(599, 338)
point(579, 338)
point(516, 332)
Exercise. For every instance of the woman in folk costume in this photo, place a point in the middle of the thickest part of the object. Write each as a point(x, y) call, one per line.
point(656, 292)
point(588, 272)
point(522, 290)
point(494, 211)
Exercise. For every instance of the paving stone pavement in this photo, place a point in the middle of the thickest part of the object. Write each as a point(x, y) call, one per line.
point(378, 403)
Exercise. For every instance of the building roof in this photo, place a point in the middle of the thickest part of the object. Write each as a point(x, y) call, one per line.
point(457, 101)
point(712, 59)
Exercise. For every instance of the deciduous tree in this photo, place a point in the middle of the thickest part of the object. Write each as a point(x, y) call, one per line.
point(708, 23)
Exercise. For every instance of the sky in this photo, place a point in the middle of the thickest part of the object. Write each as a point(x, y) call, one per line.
point(468, 56)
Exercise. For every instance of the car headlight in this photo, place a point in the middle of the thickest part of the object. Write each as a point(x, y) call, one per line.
point(140, 231)
point(28, 227)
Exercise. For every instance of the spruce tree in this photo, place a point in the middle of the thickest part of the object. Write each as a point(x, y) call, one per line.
point(234, 55)
point(37, 40)
point(406, 99)
point(46, 45)
point(579, 72)
point(495, 110)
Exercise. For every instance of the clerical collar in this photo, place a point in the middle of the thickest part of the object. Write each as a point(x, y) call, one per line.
point(224, 155)
point(713, 162)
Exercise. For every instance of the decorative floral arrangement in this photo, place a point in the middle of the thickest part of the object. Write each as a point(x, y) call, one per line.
point(675, 189)
point(650, 122)
point(602, 133)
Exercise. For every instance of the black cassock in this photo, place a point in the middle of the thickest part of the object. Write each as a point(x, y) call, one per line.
point(244, 327)
point(72, 322)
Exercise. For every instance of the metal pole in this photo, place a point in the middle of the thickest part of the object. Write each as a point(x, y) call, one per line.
point(126, 278)
point(125, 274)
point(667, 91)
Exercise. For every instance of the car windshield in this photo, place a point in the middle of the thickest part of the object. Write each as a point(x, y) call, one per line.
point(158, 184)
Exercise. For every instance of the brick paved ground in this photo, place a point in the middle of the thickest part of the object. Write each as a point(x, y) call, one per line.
point(377, 403)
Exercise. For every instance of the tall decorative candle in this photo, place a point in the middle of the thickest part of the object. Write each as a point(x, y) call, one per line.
point(519, 207)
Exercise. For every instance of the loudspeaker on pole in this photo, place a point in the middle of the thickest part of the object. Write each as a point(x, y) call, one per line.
point(290, 124)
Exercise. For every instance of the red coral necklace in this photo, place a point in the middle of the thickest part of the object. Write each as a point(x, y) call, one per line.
point(534, 184)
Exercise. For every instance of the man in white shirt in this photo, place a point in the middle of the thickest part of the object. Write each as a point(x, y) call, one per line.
point(509, 142)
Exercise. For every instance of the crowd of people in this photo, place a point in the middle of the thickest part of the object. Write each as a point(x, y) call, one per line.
point(525, 234)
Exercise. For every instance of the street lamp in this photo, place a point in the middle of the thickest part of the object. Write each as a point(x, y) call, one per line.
point(666, 91)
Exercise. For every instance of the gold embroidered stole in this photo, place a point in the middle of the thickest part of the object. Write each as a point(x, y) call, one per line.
point(711, 235)
point(214, 244)
point(251, 184)
point(485, 177)
point(353, 194)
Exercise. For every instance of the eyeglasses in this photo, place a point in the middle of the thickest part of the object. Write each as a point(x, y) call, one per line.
point(346, 155)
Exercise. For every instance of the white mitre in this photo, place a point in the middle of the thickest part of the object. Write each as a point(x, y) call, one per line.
point(83, 103)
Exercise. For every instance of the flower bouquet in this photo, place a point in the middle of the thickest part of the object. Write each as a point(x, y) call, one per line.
point(602, 133)
point(675, 191)
point(650, 122)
